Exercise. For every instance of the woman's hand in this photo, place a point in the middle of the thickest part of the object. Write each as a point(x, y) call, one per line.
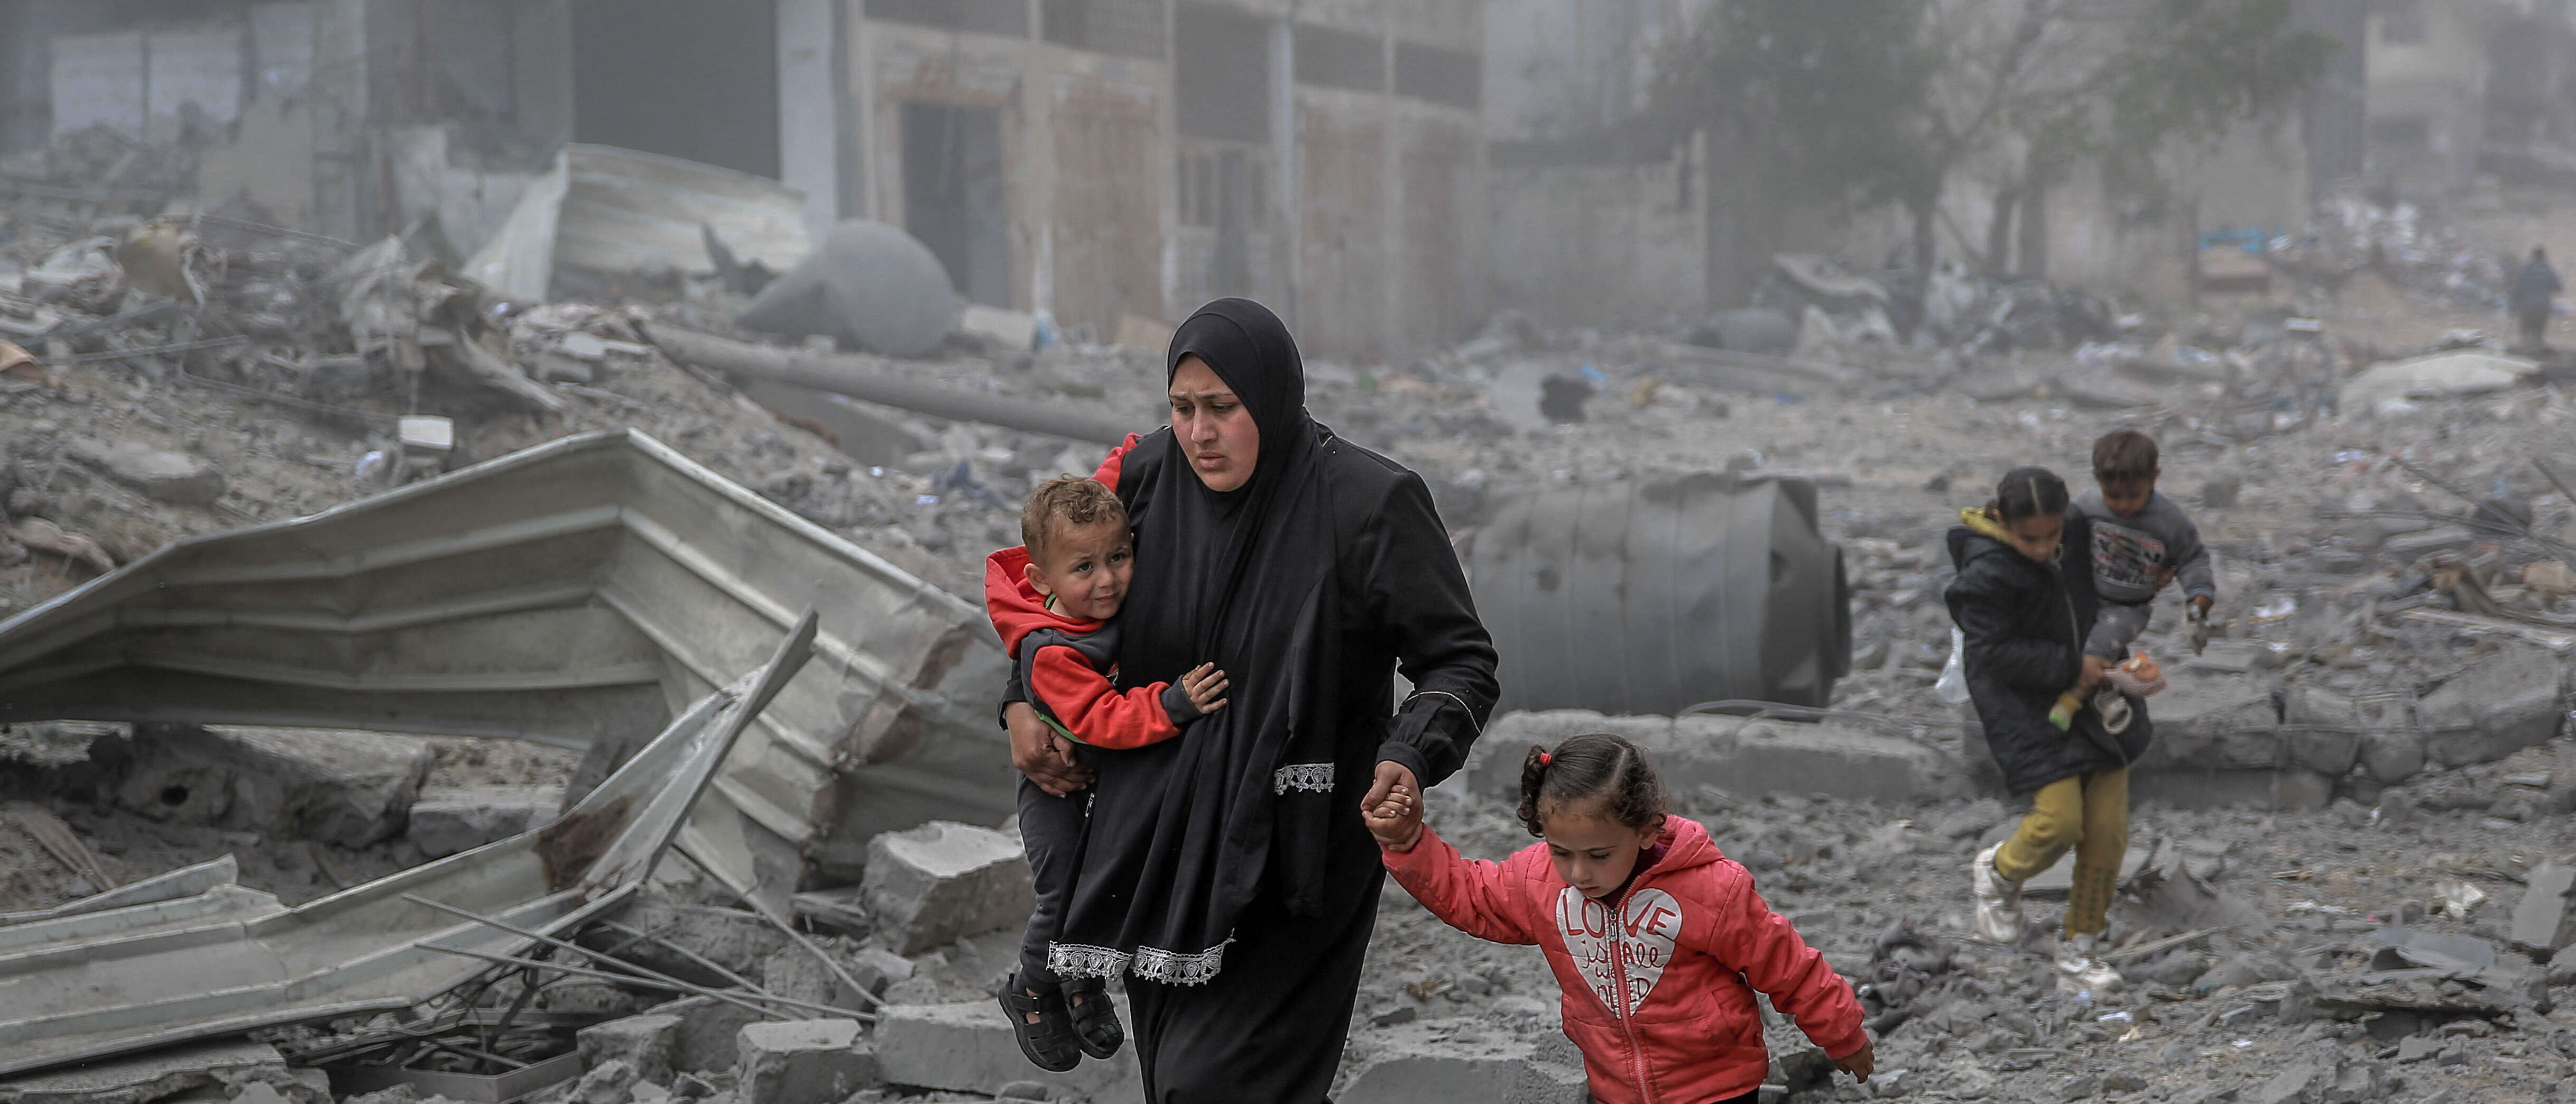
point(1037, 753)
point(1397, 820)
point(1206, 687)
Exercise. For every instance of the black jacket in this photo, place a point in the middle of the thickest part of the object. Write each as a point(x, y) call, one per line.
point(2024, 623)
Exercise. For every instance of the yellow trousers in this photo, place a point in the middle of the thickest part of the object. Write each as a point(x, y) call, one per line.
point(2089, 813)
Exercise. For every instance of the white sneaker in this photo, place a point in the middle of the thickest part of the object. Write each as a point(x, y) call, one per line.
point(1998, 900)
point(2079, 968)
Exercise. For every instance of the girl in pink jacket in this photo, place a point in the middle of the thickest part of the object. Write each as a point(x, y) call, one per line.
point(1657, 940)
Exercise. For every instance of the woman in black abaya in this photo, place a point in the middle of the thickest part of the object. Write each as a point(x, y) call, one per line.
point(1228, 873)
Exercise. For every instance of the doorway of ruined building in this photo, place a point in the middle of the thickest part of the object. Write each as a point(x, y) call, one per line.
point(1224, 218)
point(697, 80)
point(952, 195)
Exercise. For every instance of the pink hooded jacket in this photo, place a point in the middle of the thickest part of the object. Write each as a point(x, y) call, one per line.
point(1658, 991)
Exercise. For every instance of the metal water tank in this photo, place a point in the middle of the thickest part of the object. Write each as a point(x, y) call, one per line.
point(1648, 596)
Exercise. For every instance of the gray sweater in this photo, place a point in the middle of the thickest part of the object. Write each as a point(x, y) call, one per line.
point(2128, 550)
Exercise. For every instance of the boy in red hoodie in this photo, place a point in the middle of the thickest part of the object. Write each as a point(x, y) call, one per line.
point(1657, 940)
point(1052, 600)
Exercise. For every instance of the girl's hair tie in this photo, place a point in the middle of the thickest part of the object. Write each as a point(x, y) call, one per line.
point(1546, 759)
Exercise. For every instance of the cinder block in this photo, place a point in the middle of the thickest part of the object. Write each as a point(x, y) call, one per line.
point(944, 881)
point(968, 1048)
point(803, 1062)
point(644, 1043)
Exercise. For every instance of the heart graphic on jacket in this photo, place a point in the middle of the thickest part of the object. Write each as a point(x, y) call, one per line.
point(1641, 932)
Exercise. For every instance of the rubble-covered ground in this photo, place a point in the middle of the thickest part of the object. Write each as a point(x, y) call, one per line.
point(2256, 942)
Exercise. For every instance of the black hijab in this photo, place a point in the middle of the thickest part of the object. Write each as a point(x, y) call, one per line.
point(1183, 835)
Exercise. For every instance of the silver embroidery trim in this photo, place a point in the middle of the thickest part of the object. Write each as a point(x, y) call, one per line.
point(1066, 960)
point(1175, 968)
point(1310, 777)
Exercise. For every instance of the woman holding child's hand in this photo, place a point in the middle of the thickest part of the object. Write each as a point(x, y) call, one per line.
point(1230, 873)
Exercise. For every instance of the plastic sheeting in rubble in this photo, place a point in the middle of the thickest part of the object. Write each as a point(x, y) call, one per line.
point(578, 592)
point(191, 955)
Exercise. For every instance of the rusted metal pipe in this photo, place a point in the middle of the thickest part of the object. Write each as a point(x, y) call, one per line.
point(866, 378)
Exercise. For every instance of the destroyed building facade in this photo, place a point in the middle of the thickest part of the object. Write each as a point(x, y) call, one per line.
point(1096, 159)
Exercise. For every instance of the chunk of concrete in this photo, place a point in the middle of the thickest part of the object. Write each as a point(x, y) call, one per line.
point(968, 1048)
point(708, 1028)
point(1425, 1068)
point(2540, 920)
point(876, 968)
point(2502, 704)
point(943, 881)
point(165, 476)
point(803, 1062)
point(449, 819)
point(349, 788)
point(644, 1043)
point(2391, 756)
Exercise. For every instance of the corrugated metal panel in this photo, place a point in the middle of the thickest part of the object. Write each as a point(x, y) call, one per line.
point(228, 960)
point(575, 592)
point(627, 211)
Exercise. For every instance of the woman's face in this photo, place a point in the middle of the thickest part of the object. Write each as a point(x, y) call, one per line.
point(1213, 426)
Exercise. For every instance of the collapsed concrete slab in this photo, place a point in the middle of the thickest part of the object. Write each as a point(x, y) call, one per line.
point(968, 1048)
point(1734, 754)
point(803, 1062)
point(349, 788)
point(943, 881)
point(579, 593)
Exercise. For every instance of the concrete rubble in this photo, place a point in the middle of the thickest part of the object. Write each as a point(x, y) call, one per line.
point(2349, 878)
point(943, 881)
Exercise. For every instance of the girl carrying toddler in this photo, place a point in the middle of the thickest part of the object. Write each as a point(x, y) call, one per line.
point(1658, 941)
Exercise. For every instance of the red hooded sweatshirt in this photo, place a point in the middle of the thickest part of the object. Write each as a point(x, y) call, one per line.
point(1068, 663)
point(1659, 984)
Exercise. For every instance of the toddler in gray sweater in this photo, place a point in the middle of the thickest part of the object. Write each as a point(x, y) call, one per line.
point(2141, 540)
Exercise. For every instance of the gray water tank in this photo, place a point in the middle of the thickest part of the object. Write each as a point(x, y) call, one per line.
point(1650, 596)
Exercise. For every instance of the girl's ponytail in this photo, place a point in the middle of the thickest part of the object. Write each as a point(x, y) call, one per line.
point(1533, 777)
point(1594, 767)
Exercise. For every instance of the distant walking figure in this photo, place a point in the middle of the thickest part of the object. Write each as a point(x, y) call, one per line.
point(2535, 288)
